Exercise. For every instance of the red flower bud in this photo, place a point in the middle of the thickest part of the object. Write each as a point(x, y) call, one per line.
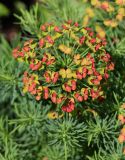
point(67, 88)
point(80, 98)
point(93, 65)
point(26, 49)
point(54, 97)
point(121, 118)
point(91, 34)
point(86, 91)
point(35, 67)
point(94, 94)
point(43, 28)
point(44, 58)
point(56, 29)
point(50, 40)
point(76, 24)
point(93, 61)
point(49, 62)
point(104, 43)
point(32, 87)
point(76, 95)
point(31, 66)
point(104, 6)
point(69, 107)
point(89, 56)
point(46, 93)
point(69, 21)
point(59, 100)
point(64, 27)
point(21, 54)
point(47, 77)
point(85, 97)
point(79, 75)
point(96, 73)
point(106, 75)
point(88, 29)
point(95, 81)
point(111, 66)
point(38, 98)
point(99, 77)
point(106, 57)
point(41, 42)
point(81, 40)
point(90, 72)
point(84, 70)
point(56, 76)
point(15, 54)
point(97, 47)
point(73, 83)
point(84, 74)
point(15, 50)
point(93, 40)
point(33, 92)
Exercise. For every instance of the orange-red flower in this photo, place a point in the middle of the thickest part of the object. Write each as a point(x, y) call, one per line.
point(67, 65)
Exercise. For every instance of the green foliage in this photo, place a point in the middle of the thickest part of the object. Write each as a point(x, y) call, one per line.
point(67, 132)
point(4, 11)
point(69, 9)
point(30, 21)
point(28, 128)
point(29, 116)
point(8, 149)
point(53, 153)
point(114, 151)
point(96, 156)
point(120, 48)
point(9, 73)
point(7, 66)
point(19, 5)
point(101, 131)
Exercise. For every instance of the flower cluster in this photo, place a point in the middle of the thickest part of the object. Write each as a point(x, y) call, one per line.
point(67, 65)
point(121, 137)
point(105, 13)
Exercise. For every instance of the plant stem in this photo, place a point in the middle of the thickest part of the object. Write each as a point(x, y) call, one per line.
point(6, 78)
point(65, 148)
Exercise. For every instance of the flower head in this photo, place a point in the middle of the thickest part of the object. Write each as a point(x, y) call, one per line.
point(67, 65)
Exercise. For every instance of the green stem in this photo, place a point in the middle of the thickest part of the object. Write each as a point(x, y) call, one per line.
point(65, 148)
point(6, 78)
point(85, 53)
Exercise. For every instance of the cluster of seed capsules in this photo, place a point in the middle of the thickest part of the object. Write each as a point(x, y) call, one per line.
point(68, 65)
point(104, 13)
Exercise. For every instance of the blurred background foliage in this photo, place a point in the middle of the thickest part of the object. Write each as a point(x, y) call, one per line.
point(7, 18)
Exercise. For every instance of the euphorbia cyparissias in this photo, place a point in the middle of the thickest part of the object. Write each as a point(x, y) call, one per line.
point(68, 65)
